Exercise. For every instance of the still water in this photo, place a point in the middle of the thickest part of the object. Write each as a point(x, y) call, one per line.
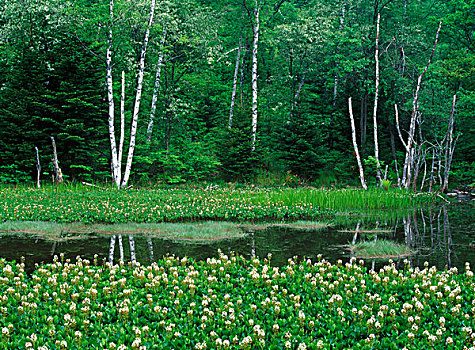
point(444, 236)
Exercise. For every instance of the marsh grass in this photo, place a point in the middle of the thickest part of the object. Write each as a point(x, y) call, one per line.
point(381, 248)
point(348, 199)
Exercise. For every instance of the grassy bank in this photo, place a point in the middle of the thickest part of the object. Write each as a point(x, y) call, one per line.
point(90, 205)
point(234, 303)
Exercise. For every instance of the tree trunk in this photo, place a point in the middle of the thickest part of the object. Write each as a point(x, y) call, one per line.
point(38, 168)
point(156, 87)
point(236, 72)
point(58, 176)
point(363, 120)
point(432, 169)
point(439, 165)
point(241, 81)
point(393, 149)
point(110, 98)
point(376, 95)
point(122, 128)
point(420, 158)
point(255, 32)
point(355, 145)
point(138, 97)
point(425, 174)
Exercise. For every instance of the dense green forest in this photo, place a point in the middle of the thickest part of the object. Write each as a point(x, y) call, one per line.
point(239, 90)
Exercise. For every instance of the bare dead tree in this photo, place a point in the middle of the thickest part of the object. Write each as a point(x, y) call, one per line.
point(58, 175)
point(409, 159)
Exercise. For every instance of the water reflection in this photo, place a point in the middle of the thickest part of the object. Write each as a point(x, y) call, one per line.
point(442, 236)
point(433, 238)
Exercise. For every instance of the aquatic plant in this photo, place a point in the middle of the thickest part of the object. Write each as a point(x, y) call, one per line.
point(229, 302)
point(90, 205)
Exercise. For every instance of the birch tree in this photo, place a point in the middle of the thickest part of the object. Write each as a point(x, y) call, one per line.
point(254, 14)
point(255, 43)
point(355, 145)
point(375, 108)
point(115, 160)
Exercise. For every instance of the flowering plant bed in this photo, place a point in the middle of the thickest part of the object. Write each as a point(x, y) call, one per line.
point(231, 302)
point(81, 204)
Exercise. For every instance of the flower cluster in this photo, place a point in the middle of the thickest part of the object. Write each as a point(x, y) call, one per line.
point(229, 302)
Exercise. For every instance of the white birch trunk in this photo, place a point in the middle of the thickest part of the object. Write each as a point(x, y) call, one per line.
point(122, 128)
point(233, 94)
point(254, 75)
point(110, 98)
point(138, 97)
point(406, 176)
point(38, 168)
point(155, 88)
point(375, 109)
point(355, 145)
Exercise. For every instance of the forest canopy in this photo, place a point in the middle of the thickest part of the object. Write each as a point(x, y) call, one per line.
point(250, 90)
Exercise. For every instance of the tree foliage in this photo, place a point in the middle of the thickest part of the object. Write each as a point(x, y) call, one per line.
point(312, 56)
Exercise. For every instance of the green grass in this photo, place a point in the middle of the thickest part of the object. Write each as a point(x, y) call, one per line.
point(381, 248)
point(229, 302)
point(91, 205)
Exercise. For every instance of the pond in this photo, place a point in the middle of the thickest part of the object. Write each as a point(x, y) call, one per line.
point(443, 236)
